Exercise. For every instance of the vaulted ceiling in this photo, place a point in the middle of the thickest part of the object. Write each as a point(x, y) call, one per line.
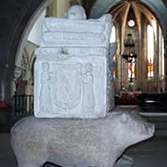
point(124, 7)
point(152, 9)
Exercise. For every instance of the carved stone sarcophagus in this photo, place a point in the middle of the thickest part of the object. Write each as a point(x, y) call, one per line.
point(70, 75)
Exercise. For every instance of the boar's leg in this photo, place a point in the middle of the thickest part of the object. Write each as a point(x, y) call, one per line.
point(30, 163)
point(125, 160)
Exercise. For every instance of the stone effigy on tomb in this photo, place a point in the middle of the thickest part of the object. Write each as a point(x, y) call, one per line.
point(71, 67)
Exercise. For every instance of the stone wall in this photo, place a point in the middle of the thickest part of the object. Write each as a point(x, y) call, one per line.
point(15, 16)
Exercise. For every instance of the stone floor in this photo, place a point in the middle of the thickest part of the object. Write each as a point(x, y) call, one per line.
point(150, 153)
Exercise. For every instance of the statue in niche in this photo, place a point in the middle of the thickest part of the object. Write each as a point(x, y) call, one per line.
point(45, 93)
point(88, 100)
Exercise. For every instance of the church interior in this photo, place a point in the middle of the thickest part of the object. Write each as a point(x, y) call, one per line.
point(139, 30)
point(139, 66)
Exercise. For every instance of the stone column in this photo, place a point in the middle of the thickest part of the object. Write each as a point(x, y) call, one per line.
point(58, 8)
point(62, 8)
point(157, 54)
point(165, 56)
point(52, 9)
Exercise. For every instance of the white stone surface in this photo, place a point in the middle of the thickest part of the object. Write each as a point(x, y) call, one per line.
point(78, 142)
point(76, 12)
point(71, 67)
point(74, 32)
point(67, 85)
point(35, 35)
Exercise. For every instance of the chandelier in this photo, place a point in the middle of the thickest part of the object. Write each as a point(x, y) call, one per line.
point(129, 49)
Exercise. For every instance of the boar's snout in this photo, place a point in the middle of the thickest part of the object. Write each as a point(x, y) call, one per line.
point(147, 130)
point(151, 128)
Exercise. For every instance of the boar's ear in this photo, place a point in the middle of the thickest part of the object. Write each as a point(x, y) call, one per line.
point(124, 118)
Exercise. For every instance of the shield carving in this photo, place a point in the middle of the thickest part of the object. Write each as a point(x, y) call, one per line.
point(67, 86)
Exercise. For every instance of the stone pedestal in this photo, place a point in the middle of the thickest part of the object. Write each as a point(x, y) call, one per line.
point(78, 142)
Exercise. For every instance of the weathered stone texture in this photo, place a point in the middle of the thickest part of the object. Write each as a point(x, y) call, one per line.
point(77, 142)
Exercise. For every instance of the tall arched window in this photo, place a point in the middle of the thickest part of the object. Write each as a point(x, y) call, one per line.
point(162, 59)
point(113, 39)
point(150, 51)
point(113, 35)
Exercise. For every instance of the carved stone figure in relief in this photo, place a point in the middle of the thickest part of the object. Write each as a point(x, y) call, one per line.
point(88, 100)
point(45, 93)
point(76, 12)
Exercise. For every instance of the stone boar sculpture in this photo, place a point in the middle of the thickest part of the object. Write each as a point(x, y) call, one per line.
point(77, 142)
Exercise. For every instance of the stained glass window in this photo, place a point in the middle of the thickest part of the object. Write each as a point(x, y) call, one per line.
point(150, 51)
point(131, 23)
point(131, 69)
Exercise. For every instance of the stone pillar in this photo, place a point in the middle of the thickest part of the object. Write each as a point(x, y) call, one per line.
point(52, 9)
point(165, 62)
point(29, 88)
point(58, 8)
point(62, 8)
point(165, 67)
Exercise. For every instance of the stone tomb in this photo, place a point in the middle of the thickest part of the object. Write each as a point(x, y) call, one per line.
point(70, 77)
